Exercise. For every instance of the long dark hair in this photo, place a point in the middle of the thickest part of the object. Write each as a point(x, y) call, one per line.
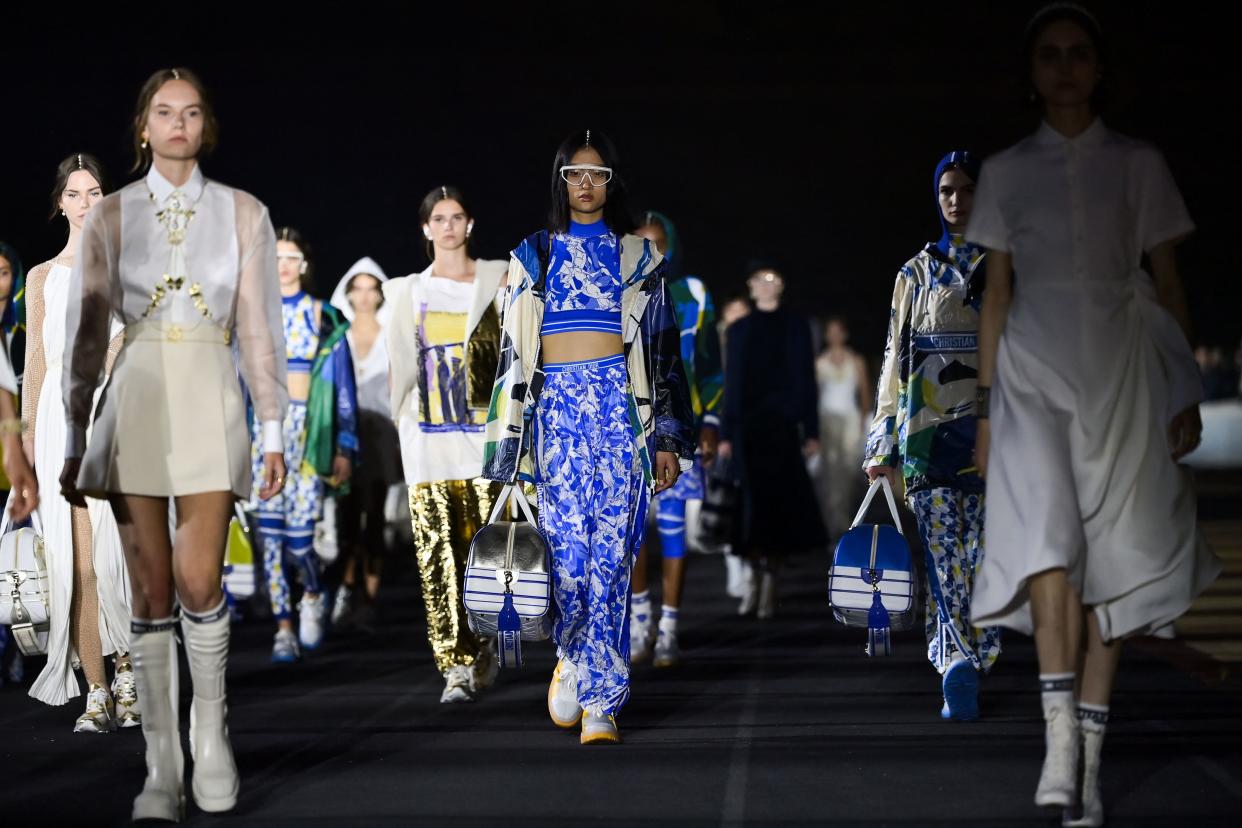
point(446, 192)
point(66, 168)
point(616, 209)
point(289, 234)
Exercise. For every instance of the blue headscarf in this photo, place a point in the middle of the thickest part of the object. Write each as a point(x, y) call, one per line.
point(953, 245)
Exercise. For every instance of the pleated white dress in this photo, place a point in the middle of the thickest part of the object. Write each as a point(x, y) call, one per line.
point(1089, 373)
point(57, 683)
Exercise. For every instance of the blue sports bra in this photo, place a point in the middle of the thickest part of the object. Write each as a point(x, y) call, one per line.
point(584, 281)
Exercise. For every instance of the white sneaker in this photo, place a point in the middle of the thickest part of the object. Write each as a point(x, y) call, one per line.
point(1058, 781)
point(285, 649)
point(767, 596)
point(310, 620)
point(457, 685)
point(563, 696)
point(667, 653)
point(340, 605)
point(99, 714)
point(641, 637)
point(125, 694)
point(599, 730)
point(486, 667)
point(735, 576)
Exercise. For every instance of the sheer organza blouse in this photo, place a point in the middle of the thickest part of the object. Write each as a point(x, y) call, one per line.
point(152, 252)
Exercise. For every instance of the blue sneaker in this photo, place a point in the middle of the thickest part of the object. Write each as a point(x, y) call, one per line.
point(285, 648)
point(961, 692)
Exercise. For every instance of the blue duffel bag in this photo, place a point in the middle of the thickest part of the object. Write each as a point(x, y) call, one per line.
point(871, 583)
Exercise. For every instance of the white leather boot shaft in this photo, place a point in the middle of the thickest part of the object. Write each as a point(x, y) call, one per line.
point(1058, 782)
point(1089, 812)
point(154, 657)
point(214, 781)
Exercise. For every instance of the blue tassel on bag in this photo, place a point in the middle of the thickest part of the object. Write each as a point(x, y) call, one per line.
point(509, 634)
point(879, 641)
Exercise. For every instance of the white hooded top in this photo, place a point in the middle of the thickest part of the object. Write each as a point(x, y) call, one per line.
point(370, 374)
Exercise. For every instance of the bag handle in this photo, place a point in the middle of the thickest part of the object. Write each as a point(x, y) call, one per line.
point(512, 492)
point(6, 520)
point(876, 484)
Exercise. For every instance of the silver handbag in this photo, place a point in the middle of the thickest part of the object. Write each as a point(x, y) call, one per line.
point(509, 579)
point(24, 585)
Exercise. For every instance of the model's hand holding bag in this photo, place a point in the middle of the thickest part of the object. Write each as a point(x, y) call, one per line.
point(509, 579)
point(871, 583)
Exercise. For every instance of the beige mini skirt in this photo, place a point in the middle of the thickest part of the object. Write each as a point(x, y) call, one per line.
point(171, 420)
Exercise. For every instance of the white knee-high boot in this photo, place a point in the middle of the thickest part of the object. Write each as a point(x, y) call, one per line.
point(153, 652)
point(214, 780)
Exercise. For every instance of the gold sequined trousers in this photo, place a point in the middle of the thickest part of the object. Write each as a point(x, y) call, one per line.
point(445, 515)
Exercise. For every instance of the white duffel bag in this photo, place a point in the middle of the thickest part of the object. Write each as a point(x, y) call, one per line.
point(24, 585)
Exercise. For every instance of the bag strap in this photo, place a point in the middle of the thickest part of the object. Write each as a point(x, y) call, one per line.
point(512, 492)
point(876, 485)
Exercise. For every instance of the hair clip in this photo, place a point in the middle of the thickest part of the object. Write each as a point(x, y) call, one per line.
point(443, 192)
point(79, 160)
point(588, 140)
point(176, 75)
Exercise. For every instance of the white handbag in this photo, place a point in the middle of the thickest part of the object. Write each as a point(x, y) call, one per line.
point(24, 585)
point(509, 580)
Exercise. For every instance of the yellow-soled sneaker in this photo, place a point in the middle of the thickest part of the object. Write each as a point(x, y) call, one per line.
point(563, 696)
point(599, 729)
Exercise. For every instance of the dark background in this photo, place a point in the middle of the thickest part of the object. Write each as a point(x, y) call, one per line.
point(806, 135)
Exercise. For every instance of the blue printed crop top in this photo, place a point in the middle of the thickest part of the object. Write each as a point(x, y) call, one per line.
point(584, 281)
point(301, 338)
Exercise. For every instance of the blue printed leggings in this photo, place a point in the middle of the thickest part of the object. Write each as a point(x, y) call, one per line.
point(951, 523)
point(287, 521)
point(590, 491)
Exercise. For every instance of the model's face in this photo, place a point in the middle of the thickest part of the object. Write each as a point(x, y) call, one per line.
point(1065, 68)
point(81, 193)
point(836, 334)
point(6, 278)
point(957, 197)
point(175, 121)
point(766, 286)
point(655, 232)
point(448, 226)
point(364, 293)
point(589, 194)
point(290, 262)
point(733, 311)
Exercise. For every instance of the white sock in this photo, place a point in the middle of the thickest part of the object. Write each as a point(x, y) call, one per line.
point(668, 619)
point(640, 607)
point(1092, 717)
point(1056, 690)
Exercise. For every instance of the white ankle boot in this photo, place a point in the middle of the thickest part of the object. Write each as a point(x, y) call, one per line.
point(154, 656)
point(1089, 811)
point(214, 781)
point(1058, 782)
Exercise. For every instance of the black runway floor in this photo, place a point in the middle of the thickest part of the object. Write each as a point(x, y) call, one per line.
point(783, 722)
